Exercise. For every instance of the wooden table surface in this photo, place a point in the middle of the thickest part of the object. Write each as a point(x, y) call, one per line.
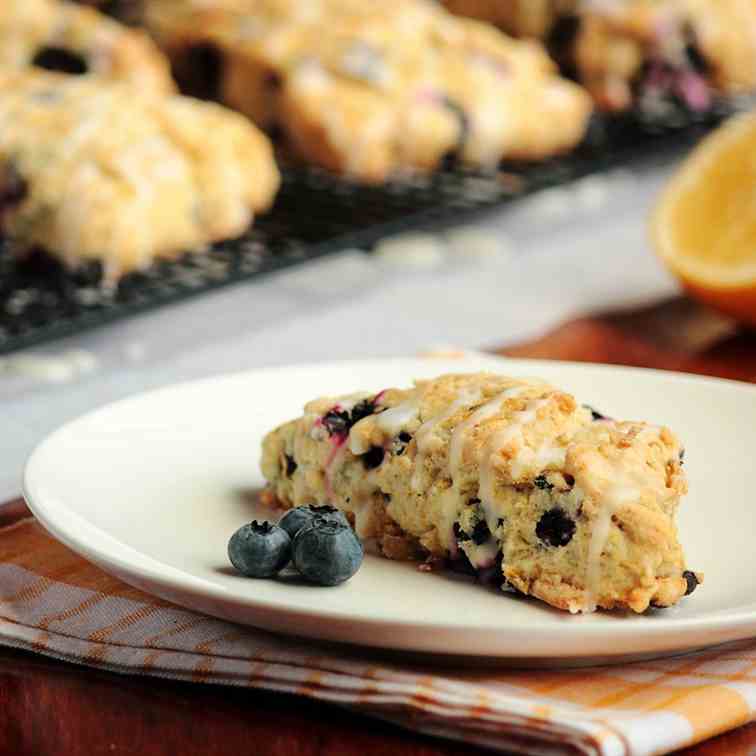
point(49, 707)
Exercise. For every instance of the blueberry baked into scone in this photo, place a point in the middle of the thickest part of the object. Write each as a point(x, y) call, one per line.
point(642, 54)
point(73, 39)
point(372, 90)
point(508, 475)
point(97, 171)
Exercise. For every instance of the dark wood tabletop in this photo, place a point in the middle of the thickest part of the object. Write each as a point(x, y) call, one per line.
point(50, 707)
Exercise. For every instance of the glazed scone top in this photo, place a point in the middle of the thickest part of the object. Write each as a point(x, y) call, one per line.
point(511, 445)
point(485, 422)
point(104, 47)
point(113, 174)
point(390, 85)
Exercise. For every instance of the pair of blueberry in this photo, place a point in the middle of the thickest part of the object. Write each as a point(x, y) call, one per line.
point(317, 539)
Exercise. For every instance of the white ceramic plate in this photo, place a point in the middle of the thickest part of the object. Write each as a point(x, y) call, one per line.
point(152, 487)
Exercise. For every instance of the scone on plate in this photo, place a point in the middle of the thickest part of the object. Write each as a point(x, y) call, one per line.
point(509, 475)
point(61, 36)
point(372, 90)
point(96, 171)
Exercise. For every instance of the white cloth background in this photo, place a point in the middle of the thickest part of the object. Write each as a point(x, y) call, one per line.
point(564, 252)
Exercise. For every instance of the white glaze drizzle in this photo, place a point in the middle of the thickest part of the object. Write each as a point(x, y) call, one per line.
point(460, 436)
point(462, 431)
point(390, 423)
point(452, 499)
point(465, 400)
point(394, 419)
point(624, 488)
point(513, 431)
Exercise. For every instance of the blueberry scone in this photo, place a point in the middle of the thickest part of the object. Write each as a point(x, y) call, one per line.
point(648, 54)
point(512, 476)
point(644, 54)
point(372, 90)
point(61, 36)
point(96, 171)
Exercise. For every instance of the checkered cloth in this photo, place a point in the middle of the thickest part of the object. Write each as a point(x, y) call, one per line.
point(54, 602)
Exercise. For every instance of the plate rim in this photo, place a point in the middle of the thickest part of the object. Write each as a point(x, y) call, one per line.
point(732, 624)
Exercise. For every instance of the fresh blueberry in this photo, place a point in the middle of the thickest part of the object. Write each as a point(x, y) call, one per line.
point(691, 582)
point(555, 527)
point(296, 519)
point(327, 552)
point(259, 549)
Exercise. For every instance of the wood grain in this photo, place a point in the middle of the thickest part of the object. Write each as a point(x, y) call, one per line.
point(49, 707)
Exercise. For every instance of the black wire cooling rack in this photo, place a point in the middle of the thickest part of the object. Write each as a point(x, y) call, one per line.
point(315, 214)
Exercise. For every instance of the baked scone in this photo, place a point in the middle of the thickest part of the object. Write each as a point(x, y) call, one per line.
point(645, 52)
point(92, 170)
point(373, 90)
point(573, 508)
point(639, 53)
point(61, 36)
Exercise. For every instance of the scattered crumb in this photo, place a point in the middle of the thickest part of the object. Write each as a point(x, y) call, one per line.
point(50, 368)
point(418, 251)
point(592, 193)
point(477, 244)
point(432, 564)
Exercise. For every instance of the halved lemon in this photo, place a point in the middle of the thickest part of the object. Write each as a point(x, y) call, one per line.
point(704, 225)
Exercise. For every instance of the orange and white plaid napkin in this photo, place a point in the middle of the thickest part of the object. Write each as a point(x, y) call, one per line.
point(54, 602)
